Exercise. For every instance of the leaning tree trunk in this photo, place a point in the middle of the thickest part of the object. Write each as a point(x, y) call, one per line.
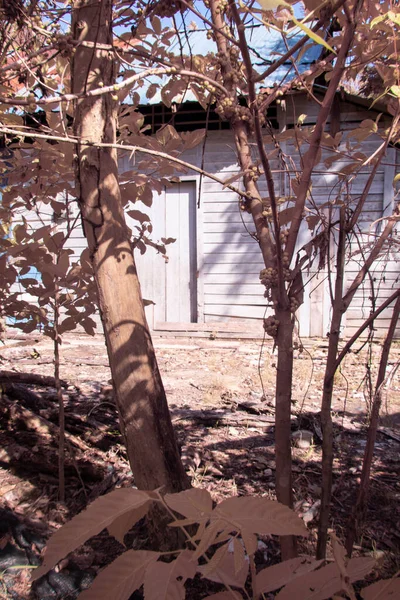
point(284, 339)
point(140, 397)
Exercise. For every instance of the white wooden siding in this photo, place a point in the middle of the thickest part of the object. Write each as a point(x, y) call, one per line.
point(227, 260)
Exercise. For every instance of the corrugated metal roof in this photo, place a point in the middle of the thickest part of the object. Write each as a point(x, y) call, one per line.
point(268, 47)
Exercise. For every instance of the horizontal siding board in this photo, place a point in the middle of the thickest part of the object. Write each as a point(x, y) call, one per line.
point(230, 207)
point(249, 312)
point(240, 267)
point(251, 289)
point(238, 238)
point(235, 280)
point(234, 299)
point(252, 257)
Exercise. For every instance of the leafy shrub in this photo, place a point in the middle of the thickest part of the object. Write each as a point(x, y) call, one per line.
point(231, 526)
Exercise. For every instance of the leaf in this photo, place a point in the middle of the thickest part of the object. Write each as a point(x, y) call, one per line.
point(250, 542)
point(119, 580)
point(55, 242)
point(232, 179)
point(387, 589)
point(167, 241)
point(194, 504)
point(193, 138)
point(395, 89)
point(339, 554)
point(120, 527)
point(148, 302)
point(89, 325)
point(88, 523)
point(209, 537)
point(325, 582)
point(19, 233)
point(138, 215)
point(156, 24)
point(260, 515)
point(67, 325)
point(239, 557)
point(224, 569)
point(286, 215)
point(85, 261)
point(166, 134)
point(396, 178)
point(166, 581)
point(62, 265)
point(151, 90)
point(215, 560)
point(313, 36)
point(275, 577)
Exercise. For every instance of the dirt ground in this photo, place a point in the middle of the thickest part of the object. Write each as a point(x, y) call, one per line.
point(221, 397)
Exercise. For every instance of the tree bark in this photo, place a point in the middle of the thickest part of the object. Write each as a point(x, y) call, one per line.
point(272, 255)
point(326, 417)
point(139, 393)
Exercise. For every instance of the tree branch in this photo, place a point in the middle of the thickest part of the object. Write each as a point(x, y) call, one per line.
point(127, 147)
point(311, 156)
point(112, 88)
point(364, 326)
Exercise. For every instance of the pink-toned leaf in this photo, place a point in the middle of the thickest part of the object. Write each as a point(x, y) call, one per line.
point(250, 542)
point(239, 556)
point(88, 523)
point(387, 589)
point(193, 504)
point(62, 265)
point(260, 515)
point(89, 326)
point(156, 24)
point(138, 215)
point(85, 261)
point(166, 581)
point(193, 138)
point(19, 233)
point(325, 582)
point(215, 560)
point(120, 527)
point(67, 325)
point(151, 90)
point(224, 571)
point(119, 580)
point(275, 577)
point(286, 215)
point(55, 242)
point(209, 537)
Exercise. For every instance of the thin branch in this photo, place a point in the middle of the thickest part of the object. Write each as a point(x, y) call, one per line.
point(364, 326)
point(347, 298)
point(311, 156)
point(16, 101)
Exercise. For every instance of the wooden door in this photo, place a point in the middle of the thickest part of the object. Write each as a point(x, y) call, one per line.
point(171, 282)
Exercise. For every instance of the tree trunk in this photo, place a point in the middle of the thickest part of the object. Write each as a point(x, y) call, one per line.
point(326, 417)
point(283, 408)
point(272, 257)
point(139, 392)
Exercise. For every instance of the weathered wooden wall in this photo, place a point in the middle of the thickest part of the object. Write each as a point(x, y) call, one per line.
point(213, 271)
